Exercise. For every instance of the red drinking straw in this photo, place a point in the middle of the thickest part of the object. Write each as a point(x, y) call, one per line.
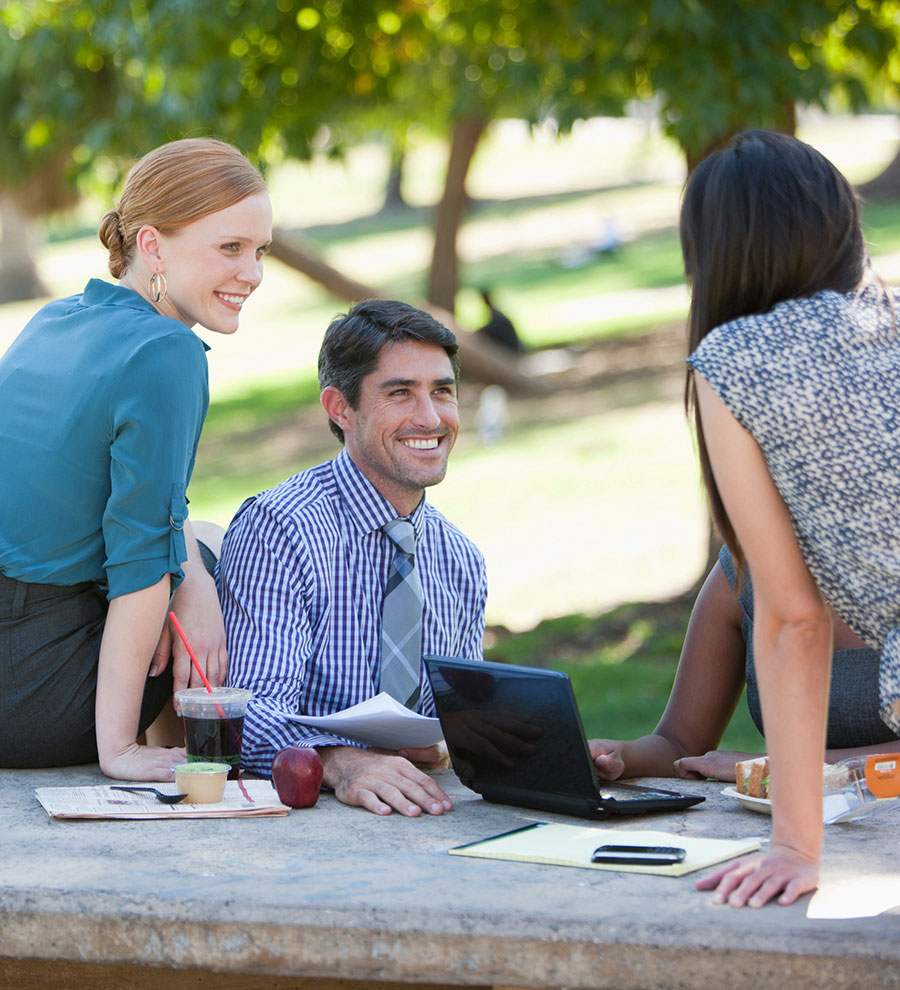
point(208, 687)
point(197, 666)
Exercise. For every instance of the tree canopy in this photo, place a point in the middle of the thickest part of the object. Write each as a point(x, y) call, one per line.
point(90, 77)
point(715, 69)
point(69, 91)
point(94, 82)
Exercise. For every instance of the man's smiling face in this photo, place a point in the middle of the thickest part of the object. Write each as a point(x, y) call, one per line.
point(405, 423)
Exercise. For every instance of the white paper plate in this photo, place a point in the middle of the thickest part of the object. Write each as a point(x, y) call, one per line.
point(836, 807)
point(762, 805)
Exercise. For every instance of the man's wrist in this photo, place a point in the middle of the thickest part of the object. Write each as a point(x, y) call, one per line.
point(336, 758)
point(330, 757)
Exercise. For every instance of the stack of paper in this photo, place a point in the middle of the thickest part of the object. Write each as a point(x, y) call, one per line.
point(379, 721)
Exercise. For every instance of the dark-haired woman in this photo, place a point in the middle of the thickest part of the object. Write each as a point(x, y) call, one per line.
point(716, 664)
point(102, 398)
point(793, 382)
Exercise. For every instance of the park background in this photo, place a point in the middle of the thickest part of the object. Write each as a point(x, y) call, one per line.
point(589, 510)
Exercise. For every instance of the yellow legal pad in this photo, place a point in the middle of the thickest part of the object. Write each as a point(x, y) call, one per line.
point(573, 845)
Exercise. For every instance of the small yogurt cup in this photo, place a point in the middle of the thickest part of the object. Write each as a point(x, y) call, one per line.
point(204, 783)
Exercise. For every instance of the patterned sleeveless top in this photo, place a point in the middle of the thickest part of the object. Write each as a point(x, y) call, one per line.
point(816, 382)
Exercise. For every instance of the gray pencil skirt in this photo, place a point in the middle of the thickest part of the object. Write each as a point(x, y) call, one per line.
point(49, 651)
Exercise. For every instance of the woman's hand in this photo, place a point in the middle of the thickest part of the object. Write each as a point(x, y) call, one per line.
point(607, 757)
point(718, 764)
point(134, 762)
point(754, 880)
point(196, 603)
point(200, 616)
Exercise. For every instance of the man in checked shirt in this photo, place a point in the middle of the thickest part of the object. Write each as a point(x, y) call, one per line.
point(304, 565)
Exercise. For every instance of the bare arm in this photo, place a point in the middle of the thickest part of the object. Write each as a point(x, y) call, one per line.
point(836, 755)
point(792, 649)
point(707, 688)
point(130, 634)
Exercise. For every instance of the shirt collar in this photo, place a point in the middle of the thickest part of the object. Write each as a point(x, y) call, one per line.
point(100, 293)
point(368, 509)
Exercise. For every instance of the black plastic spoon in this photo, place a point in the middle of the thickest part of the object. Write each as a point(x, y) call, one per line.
point(160, 796)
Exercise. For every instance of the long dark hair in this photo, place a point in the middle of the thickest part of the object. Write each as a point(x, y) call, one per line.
point(765, 220)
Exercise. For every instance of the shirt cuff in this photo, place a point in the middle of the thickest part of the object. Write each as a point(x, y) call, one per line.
point(123, 579)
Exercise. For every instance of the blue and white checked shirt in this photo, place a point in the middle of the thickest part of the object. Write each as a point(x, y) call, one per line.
point(301, 580)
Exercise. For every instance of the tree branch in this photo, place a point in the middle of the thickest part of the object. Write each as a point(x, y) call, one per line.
point(479, 359)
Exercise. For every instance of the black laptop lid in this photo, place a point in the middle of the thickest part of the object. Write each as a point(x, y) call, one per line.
point(512, 730)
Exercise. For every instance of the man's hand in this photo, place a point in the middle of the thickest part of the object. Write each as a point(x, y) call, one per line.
point(381, 782)
point(718, 764)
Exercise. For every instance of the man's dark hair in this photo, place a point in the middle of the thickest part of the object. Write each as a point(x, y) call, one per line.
point(353, 343)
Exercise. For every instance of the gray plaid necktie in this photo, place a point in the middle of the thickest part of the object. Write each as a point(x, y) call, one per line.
point(401, 618)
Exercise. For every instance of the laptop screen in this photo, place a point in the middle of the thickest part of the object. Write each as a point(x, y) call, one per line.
point(513, 727)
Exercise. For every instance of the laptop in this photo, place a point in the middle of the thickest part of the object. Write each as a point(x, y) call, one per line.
point(515, 736)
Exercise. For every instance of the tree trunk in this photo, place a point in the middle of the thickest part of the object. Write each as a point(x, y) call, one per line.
point(442, 278)
point(885, 185)
point(291, 249)
point(479, 359)
point(785, 123)
point(393, 191)
point(19, 278)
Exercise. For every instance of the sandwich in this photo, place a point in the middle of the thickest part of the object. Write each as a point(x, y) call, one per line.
point(752, 777)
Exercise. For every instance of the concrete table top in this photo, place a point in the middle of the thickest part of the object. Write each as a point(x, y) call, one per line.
point(337, 894)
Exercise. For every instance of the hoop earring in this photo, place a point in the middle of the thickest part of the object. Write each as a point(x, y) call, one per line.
point(158, 287)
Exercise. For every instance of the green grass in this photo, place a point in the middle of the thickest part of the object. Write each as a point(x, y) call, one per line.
point(257, 408)
point(881, 222)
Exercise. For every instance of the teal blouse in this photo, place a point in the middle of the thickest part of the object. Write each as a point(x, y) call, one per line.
point(101, 405)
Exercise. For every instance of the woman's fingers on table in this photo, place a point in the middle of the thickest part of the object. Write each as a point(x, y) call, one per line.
point(755, 880)
point(717, 764)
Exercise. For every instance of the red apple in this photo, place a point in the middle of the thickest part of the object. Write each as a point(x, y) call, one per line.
point(297, 776)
